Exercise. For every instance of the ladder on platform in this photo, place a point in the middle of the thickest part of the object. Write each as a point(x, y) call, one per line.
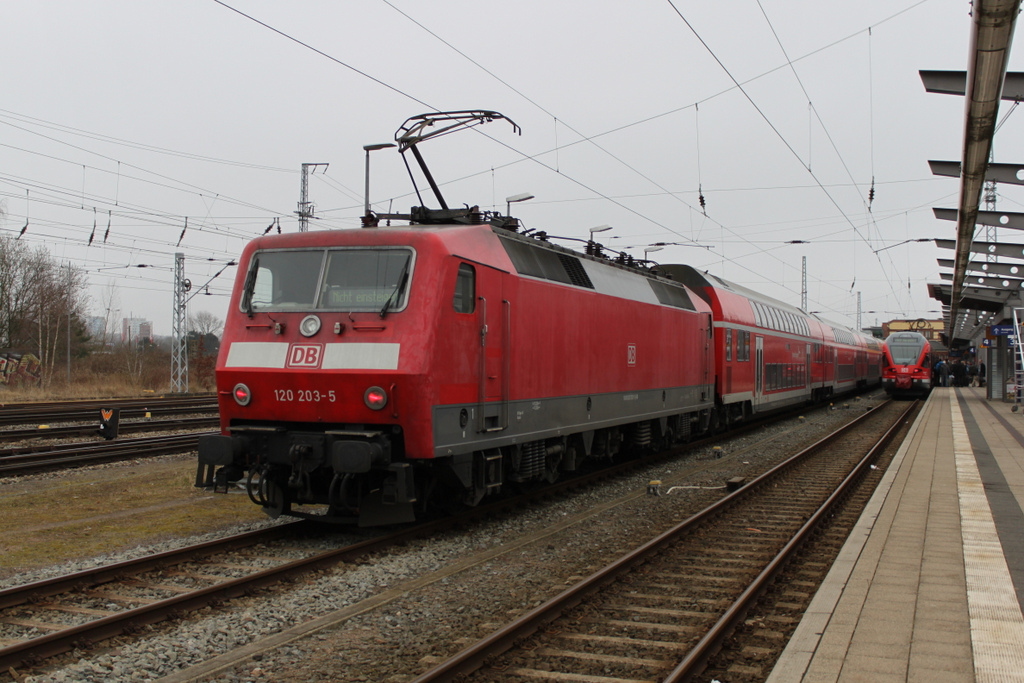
point(1018, 358)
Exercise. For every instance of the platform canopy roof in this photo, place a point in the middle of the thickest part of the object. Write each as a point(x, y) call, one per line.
point(984, 84)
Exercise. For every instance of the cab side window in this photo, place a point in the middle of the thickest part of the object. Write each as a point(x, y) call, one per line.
point(465, 289)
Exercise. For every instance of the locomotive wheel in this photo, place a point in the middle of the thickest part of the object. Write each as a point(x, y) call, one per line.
point(714, 421)
point(574, 455)
point(277, 501)
point(669, 439)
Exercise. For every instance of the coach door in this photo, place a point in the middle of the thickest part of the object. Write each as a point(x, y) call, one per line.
point(708, 330)
point(495, 312)
point(807, 370)
point(758, 369)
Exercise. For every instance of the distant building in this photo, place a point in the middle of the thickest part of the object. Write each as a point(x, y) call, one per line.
point(929, 328)
point(135, 329)
point(96, 327)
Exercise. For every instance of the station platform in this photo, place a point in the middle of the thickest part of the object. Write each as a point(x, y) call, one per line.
point(930, 584)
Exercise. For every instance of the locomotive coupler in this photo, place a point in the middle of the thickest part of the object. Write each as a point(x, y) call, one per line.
point(303, 458)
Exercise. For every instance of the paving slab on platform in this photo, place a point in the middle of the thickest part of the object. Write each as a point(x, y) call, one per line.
point(928, 587)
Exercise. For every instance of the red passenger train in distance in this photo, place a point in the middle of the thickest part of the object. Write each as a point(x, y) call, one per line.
point(908, 365)
point(383, 372)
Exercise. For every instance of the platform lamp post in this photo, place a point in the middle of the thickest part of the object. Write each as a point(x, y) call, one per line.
point(368, 149)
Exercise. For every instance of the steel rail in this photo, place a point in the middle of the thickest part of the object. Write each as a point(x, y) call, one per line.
point(106, 402)
point(29, 413)
point(44, 588)
point(37, 649)
point(502, 639)
point(77, 454)
point(58, 642)
point(697, 658)
point(90, 430)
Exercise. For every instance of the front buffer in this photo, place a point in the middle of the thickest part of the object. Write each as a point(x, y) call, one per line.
point(342, 446)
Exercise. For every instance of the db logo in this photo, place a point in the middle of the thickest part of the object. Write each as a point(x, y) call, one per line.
point(304, 355)
point(631, 355)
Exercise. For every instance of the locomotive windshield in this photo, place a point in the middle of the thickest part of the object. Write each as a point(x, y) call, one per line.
point(329, 279)
point(905, 350)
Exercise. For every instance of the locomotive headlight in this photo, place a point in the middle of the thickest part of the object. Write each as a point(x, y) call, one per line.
point(309, 326)
point(375, 398)
point(241, 394)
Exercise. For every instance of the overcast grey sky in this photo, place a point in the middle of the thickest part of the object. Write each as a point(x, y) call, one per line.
point(140, 114)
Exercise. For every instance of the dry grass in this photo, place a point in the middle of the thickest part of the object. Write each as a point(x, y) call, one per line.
point(108, 388)
point(106, 509)
point(101, 388)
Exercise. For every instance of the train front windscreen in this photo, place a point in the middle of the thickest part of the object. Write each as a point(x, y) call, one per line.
point(906, 350)
point(342, 279)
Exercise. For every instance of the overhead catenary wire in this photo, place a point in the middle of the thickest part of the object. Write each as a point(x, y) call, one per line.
point(197, 213)
point(736, 83)
point(777, 132)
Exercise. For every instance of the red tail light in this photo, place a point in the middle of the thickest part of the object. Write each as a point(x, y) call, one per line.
point(241, 394)
point(375, 398)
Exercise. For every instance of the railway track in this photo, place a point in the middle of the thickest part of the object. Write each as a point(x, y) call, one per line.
point(91, 430)
point(15, 462)
point(661, 611)
point(101, 598)
point(79, 411)
point(44, 619)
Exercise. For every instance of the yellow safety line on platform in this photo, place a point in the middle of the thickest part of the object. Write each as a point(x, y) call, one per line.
point(997, 625)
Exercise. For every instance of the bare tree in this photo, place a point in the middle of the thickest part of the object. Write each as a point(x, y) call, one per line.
point(41, 302)
point(110, 305)
point(205, 323)
point(15, 293)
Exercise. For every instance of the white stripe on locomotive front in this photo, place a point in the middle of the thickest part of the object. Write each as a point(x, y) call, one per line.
point(352, 356)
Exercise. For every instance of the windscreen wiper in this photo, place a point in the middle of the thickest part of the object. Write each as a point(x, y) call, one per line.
point(397, 292)
point(250, 285)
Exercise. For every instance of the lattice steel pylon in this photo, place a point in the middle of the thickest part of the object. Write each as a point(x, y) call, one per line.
point(305, 211)
point(803, 286)
point(179, 338)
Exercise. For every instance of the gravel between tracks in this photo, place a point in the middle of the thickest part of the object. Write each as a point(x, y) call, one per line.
point(510, 564)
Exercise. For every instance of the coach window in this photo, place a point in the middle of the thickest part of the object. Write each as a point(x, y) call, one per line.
point(728, 345)
point(465, 289)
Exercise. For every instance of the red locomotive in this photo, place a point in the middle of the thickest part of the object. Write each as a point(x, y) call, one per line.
point(908, 364)
point(379, 371)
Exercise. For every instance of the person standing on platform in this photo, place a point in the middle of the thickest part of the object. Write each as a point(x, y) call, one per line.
point(959, 373)
point(944, 373)
point(981, 374)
